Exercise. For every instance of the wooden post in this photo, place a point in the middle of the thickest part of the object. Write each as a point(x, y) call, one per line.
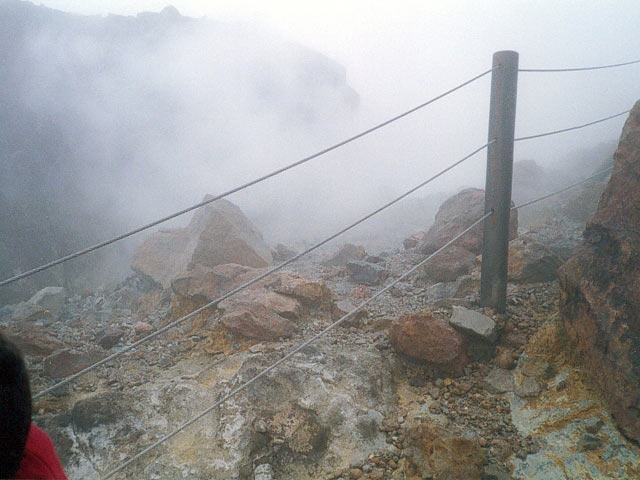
point(502, 115)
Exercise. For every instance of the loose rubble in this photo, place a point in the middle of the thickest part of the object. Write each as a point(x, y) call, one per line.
point(421, 384)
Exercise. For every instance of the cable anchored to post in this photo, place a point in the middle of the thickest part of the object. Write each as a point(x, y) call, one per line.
point(555, 132)
point(578, 69)
point(241, 187)
point(568, 187)
point(497, 197)
point(273, 366)
point(272, 270)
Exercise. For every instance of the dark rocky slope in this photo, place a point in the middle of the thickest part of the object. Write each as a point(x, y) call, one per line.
point(600, 301)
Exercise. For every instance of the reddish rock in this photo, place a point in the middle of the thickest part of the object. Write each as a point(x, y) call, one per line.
point(445, 455)
point(218, 234)
point(263, 310)
point(210, 283)
point(257, 321)
point(600, 286)
point(109, 337)
point(286, 307)
point(163, 255)
point(454, 216)
point(65, 363)
point(361, 292)
point(225, 235)
point(34, 341)
point(424, 337)
point(142, 329)
point(311, 293)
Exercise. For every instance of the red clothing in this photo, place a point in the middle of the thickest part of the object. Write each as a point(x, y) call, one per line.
point(40, 460)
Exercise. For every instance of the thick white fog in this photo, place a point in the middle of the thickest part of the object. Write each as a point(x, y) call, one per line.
point(163, 109)
point(397, 54)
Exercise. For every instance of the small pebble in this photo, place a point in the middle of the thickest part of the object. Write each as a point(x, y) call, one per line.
point(356, 473)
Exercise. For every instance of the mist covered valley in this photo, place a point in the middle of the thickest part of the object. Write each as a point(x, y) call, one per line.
point(108, 122)
point(112, 122)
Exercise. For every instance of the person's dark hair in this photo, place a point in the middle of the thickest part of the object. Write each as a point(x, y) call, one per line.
point(15, 408)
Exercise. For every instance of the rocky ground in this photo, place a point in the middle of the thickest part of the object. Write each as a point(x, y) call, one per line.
point(508, 417)
point(421, 384)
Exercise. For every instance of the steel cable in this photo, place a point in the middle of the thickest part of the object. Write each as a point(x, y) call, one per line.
point(578, 69)
point(607, 170)
point(329, 328)
point(554, 132)
point(241, 187)
point(292, 352)
point(255, 280)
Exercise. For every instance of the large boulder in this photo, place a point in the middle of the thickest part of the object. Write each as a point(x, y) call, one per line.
point(366, 273)
point(257, 321)
point(452, 263)
point(310, 419)
point(443, 454)
point(34, 340)
point(284, 306)
point(266, 310)
point(347, 253)
point(51, 299)
point(219, 233)
point(261, 314)
point(25, 312)
point(208, 284)
point(600, 286)
point(429, 338)
point(530, 261)
point(205, 284)
point(474, 323)
point(454, 216)
point(312, 294)
point(65, 362)
point(226, 236)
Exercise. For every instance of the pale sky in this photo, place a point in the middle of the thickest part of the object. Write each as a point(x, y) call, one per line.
point(400, 53)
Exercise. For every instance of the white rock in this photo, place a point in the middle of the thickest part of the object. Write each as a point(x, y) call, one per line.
point(264, 472)
point(50, 298)
point(473, 322)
